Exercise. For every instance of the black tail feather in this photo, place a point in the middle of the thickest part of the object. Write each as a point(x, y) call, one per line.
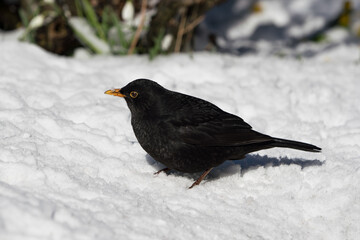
point(278, 142)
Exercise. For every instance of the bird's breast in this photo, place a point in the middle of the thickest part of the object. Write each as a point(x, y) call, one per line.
point(152, 136)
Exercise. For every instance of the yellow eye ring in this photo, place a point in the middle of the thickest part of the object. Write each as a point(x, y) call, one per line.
point(134, 94)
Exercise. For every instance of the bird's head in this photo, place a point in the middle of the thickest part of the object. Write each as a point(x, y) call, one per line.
point(141, 95)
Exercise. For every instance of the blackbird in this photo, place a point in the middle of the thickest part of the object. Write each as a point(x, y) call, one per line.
point(189, 134)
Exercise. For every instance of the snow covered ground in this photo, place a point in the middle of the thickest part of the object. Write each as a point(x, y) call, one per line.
point(71, 168)
point(281, 22)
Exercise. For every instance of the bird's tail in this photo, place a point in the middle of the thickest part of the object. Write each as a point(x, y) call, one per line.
point(284, 143)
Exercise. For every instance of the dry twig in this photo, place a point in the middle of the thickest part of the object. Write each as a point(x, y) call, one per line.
point(180, 32)
point(140, 27)
point(193, 24)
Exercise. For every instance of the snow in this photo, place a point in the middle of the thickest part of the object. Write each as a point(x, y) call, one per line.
point(71, 167)
point(282, 22)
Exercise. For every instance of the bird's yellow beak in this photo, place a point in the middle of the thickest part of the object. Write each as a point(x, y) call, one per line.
point(115, 92)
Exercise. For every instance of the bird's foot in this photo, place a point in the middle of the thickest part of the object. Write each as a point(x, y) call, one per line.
point(162, 170)
point(198, 181)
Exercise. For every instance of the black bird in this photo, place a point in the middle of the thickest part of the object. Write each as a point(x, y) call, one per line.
point(189, 134)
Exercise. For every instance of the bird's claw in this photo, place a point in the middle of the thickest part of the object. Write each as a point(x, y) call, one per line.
point(162, 170)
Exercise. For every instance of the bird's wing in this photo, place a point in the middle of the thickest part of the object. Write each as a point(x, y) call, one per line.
point(222, 131)
point(208, 125)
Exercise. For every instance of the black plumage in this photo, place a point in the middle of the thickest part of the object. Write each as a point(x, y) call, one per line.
point(189, 134)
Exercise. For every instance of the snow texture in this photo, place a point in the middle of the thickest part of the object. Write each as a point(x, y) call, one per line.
point(71, 167)
point(281, 22)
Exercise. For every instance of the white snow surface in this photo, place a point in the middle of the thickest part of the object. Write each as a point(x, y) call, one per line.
point(71, 167)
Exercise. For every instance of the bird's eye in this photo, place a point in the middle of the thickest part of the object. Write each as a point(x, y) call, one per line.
point(134, 94)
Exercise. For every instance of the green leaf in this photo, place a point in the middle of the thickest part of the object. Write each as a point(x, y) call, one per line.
point(156, 49)
point(84, 32)
point(116, 21)
point(93, 19)
point(24, 17)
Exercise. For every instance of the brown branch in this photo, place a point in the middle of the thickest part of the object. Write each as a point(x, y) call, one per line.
point(180, 32)
point(140, 27)
point(168, 12)
point(193, 24)
point(192, 2)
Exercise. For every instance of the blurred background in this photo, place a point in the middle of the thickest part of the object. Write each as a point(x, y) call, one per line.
point(299, 28)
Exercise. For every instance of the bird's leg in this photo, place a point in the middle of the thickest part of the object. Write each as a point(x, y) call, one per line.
point(198, 181)
point(162, 170)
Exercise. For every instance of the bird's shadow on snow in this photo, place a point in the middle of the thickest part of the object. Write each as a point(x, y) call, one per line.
point(249, 163)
